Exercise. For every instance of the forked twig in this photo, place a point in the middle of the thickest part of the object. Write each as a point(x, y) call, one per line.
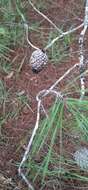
point(62, 35)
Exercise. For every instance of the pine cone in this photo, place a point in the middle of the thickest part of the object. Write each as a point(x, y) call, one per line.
point(81, 158)
point(37, 60)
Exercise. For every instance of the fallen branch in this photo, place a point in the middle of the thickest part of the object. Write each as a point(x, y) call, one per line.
point(81, 52)
point(39, 98)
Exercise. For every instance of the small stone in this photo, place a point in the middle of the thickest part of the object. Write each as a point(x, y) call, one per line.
point(38, 60)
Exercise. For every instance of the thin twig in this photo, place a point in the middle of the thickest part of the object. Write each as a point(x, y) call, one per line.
point(45, 17)
point(62, 35)
point(81, 52)
point(25, 26)
point(63, 76)
point(29, 42)
point(29, 146)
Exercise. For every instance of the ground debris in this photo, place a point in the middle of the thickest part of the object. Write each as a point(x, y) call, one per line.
point(7, 183)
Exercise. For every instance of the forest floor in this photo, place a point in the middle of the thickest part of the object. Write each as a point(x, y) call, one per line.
point(23, 86)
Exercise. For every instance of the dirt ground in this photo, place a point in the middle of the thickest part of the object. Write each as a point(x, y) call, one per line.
point(16, 131)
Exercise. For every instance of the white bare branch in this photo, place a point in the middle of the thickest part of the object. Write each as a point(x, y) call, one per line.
point(62, 35)
point(81, 52)
point(29, 146)
point(39, 97)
